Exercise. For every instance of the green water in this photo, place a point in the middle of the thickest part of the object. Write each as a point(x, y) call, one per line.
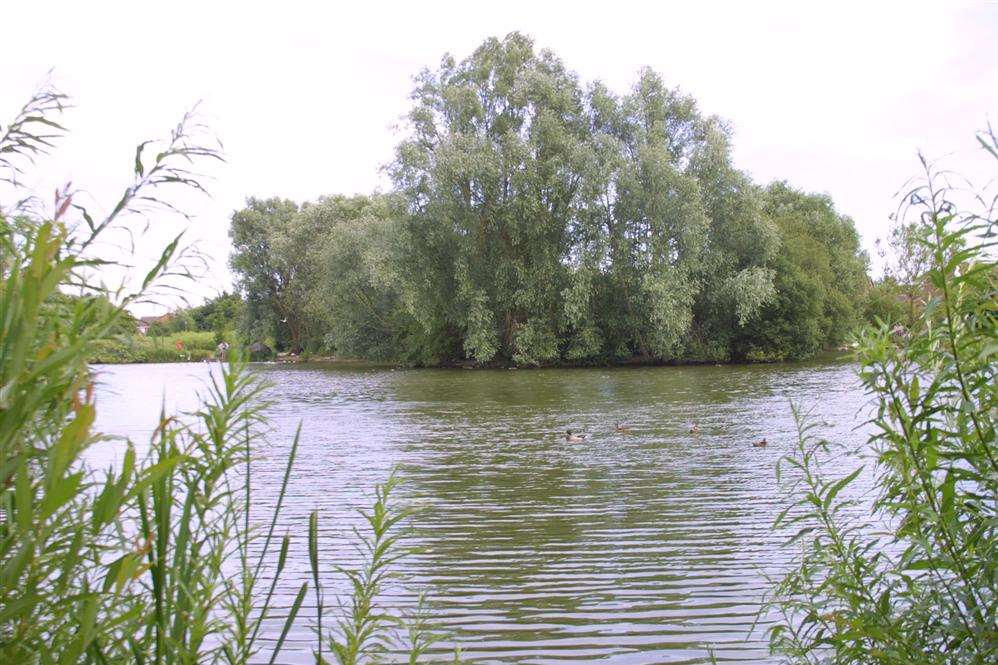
point(645, 547)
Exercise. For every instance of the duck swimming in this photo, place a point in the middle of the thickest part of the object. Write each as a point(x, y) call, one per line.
point(622, 428)
point(760, 444)
point(694, 428)
point(572, 437)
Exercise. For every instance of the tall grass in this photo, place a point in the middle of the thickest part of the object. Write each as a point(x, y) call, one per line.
point(155, 560)
point(178, 347)
point(916, 582)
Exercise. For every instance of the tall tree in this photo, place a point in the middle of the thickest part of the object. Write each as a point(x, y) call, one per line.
point(274, 257)
point(535, 221)
point(357, 295)
point(906, 260)
point(820, 276)
point(670, 244)
point(490, 179)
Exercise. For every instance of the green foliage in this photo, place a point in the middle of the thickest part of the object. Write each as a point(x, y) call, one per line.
point(220, 314)
point(193, 347)
point(536, 220)
point(275, 256)
point(488, 178)
point(124, 322)
point(356, 298)
point(367, 632)
point(902, 292)
point(917, 581)
point(886, 301)
point(153, 560)
point(820, 272)
point(175, 322)
point(128, 565)
point(190, 340)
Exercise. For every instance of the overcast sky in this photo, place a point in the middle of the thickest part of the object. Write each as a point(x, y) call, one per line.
point(833, 97)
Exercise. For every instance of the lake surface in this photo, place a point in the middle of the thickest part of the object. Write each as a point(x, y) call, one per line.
point(648, 547)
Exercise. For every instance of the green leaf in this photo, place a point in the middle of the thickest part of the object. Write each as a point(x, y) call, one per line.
point(838, 486)
point(139, 168)
point(23, 495)
point(927, 564)
point(10, 574)
point(289, 621)
point(68, 447)
point(948, 491)
point(59, 494)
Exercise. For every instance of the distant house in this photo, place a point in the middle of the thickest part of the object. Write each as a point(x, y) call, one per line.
point(144, 323)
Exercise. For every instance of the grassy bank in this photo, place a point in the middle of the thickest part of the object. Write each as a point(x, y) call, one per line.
point(179, 347)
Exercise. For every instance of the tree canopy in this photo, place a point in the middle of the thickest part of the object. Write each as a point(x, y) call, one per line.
point(537, 219)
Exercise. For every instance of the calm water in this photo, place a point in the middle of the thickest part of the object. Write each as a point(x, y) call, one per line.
point(646, 547)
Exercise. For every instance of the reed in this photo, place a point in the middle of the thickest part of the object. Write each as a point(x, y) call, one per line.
point(155, 560)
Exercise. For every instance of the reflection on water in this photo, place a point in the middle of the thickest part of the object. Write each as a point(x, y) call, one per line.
point(646, 547)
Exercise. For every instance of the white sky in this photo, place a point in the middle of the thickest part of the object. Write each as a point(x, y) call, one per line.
point(834, 97)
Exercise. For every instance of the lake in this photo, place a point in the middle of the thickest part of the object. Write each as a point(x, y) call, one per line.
point(647, 547)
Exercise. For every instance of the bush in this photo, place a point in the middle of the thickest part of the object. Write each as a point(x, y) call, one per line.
point(916, 583)
point(177, 321)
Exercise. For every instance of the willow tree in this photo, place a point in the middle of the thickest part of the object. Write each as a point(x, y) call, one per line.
point(671, 242)
point(275, 257)
point(490, 175)
point(538, 221)
point(820, 273)
point(357, 295)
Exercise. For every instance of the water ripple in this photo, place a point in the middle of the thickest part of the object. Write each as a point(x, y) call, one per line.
point(648, 547)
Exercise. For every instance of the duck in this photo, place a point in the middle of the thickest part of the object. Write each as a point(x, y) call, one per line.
point(760, 444)
point(694, 428)
point(572, 437)
point(622, 428)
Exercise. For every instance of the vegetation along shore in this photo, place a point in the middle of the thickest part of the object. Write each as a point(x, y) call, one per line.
point(533, 220)
point(536, 219)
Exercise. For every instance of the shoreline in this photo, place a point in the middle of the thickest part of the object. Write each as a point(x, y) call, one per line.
point(827, 355)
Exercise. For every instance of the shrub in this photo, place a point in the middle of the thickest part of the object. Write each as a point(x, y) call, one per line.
point(916, 582)
point(884, 301)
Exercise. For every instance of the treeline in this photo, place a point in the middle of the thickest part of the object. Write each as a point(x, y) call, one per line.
point(534, 219)
point(221, 316)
